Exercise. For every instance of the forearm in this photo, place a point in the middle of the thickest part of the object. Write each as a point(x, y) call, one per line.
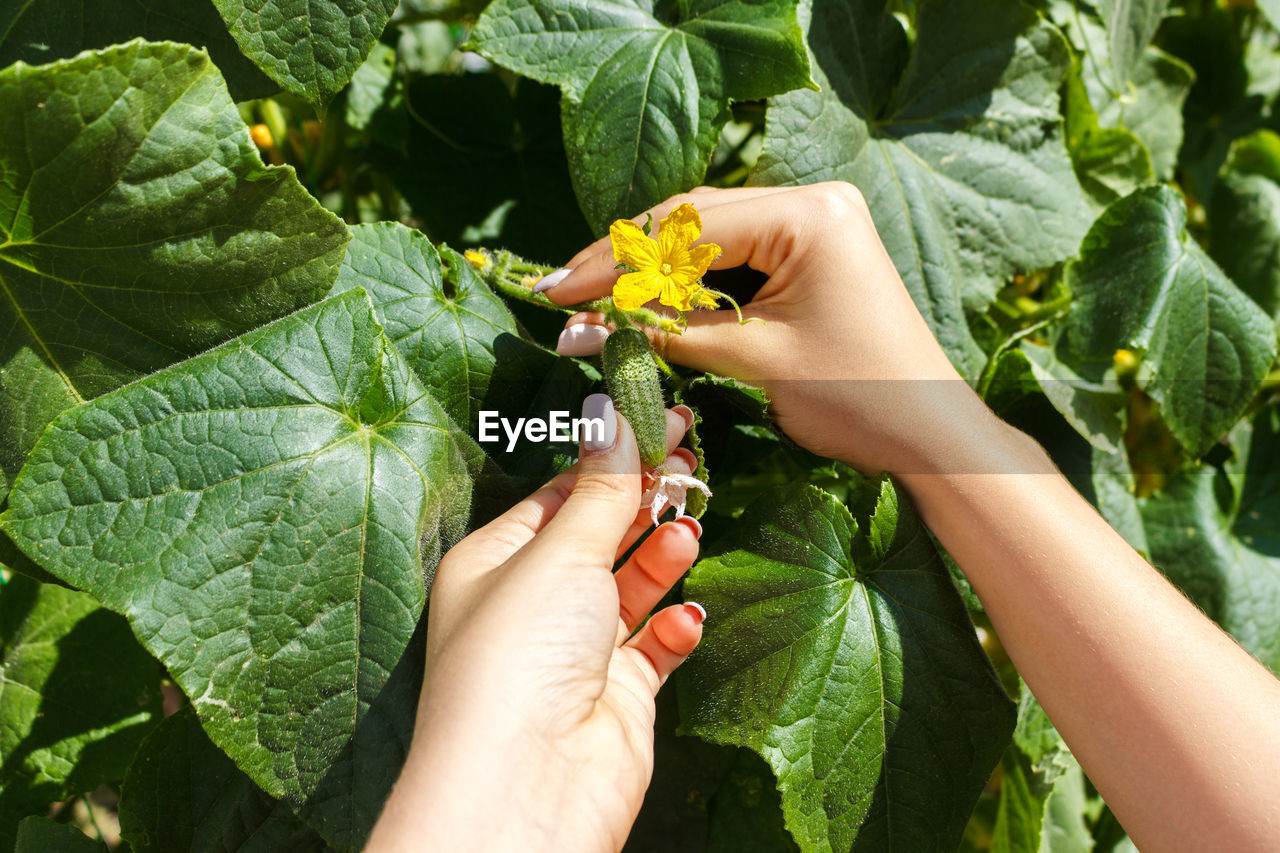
point(1177, 726)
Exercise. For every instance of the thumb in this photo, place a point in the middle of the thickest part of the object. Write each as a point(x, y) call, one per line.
point(588, 528)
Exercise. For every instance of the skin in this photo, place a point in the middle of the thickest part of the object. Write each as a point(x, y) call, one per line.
point(1175, 724)
point(538, 698)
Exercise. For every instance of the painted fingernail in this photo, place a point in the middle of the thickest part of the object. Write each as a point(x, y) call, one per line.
point(601, 428)
point(582, 339)
point(696, 610)
point(692, 523)
point(685, 412)
point(550, 280)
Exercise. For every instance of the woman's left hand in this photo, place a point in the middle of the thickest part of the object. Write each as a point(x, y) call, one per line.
point(535, 728)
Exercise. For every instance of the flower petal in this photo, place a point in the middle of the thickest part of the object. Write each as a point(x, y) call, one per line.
point(676, 293)
point(672, 489)
point(678, 230)
point(702, 256)
point(634, 289)
point(631, 246)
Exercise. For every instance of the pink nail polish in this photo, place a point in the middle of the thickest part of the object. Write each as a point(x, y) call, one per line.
point(685, 412)
point(582, 339)
point(602, 429)
point(550, 280)
point(696, 610)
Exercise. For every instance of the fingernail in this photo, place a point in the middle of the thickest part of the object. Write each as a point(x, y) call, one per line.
point(601, 430)
point(550, 280)
point(685, 412)
point(696, 610)
point(692, 523)
point(582, 339)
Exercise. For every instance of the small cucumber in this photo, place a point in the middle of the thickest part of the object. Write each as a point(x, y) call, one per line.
point(632, 378)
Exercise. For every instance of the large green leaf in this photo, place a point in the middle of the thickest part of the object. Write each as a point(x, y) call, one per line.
point(1227, 558)
point(138, 226)
point(310, 47)
point(464, 344)
point(484, 166)
point(840, 651)
point(38, 31)
point(955, 141)
point(264, 514)
point(183, 793)
point(1142, 283)
point(77, 694)
point(1245, 219)
point(646, 86)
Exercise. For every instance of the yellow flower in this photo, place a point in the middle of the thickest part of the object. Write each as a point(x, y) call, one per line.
point(479, 260)
point(669, 268)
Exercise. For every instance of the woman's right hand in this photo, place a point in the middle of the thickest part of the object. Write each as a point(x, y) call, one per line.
point(853, 371)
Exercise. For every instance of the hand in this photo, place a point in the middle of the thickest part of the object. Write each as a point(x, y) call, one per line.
point(841, 335)
point(535, 728)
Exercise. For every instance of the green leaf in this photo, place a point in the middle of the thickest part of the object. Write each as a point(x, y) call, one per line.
point(310, 47)
point(1039, 784)
point(1245, 219)
point(1223, 104)
point(955, 141)
point(1133, 86)
point(76, 697)
point(1109, 161)
point(486, 167)
point(1142, 283)
point(38, 31)
point(840, 651)
point(464, 344)
point(183, 793)
point(42, 835)
point(445, 328)
point(1150, 106)
point(646, 90)
point(1129, 24)
point(706, 798)
point(1089, 398)
point(138, 226)
point(264, 515)
point(372, 86)
point(1226, 559)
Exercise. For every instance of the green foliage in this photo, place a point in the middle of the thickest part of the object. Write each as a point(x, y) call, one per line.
point(139, 227)
point(954, 139)
point(646, 90)
point(41, 31)
point(63, 725)
point(40, 835)
point(241, 378)
point(183, 793)
point(1141, 282)
point(310, 47)
point(829, 647)
point(278, 494)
